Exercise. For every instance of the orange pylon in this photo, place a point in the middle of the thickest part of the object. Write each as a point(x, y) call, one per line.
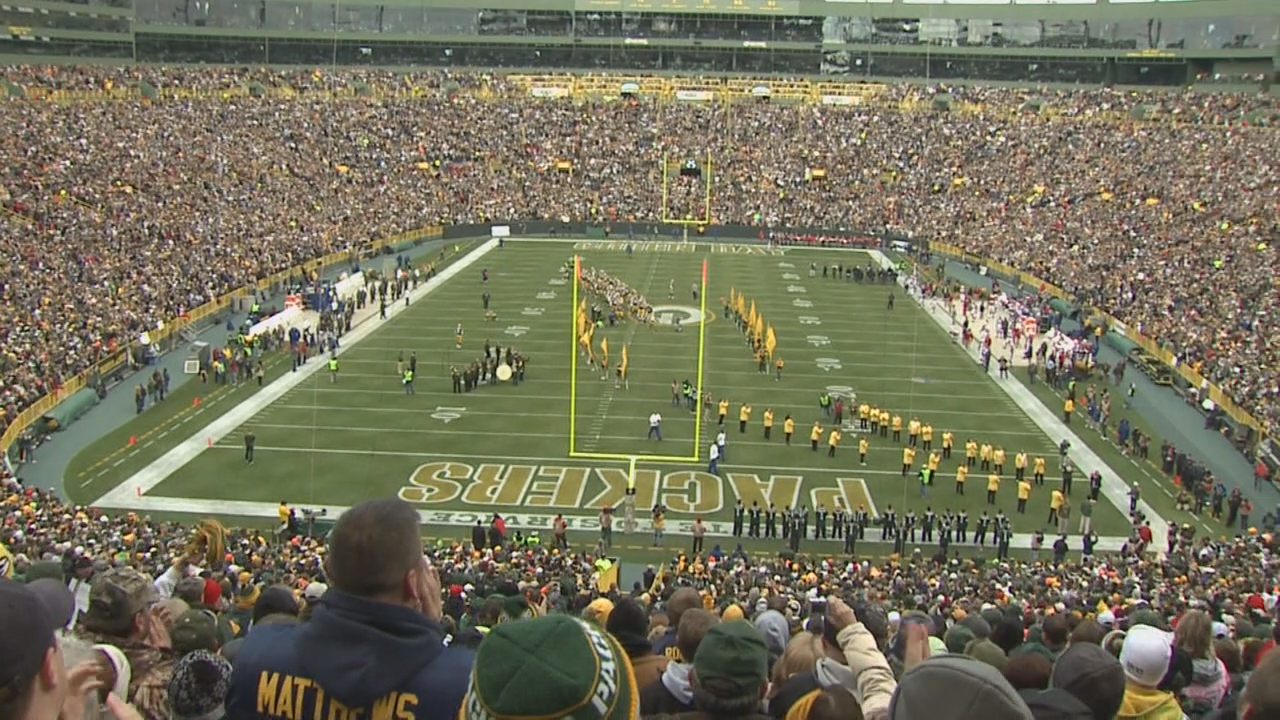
point(133, 440)
point(196, 402)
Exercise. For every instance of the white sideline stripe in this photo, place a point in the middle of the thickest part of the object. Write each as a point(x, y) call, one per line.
point(126, 494)
point(1082, 456)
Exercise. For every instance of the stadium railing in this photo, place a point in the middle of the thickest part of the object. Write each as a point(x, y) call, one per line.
point(194, 318)
point(1150, 345)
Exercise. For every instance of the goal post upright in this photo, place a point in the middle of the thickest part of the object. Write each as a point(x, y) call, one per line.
point(573, 357)
point(702, 348)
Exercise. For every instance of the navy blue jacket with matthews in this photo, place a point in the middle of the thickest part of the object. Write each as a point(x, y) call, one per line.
point(355, 658)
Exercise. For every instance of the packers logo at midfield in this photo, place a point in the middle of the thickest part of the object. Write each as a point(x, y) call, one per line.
point(669, 314)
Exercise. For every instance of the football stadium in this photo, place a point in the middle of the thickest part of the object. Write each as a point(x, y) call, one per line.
point(573, 437)
point(460, 331)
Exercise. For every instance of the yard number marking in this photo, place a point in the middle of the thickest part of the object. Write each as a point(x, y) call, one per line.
point(802, 303)
point(785, 265)
point(827, 364)
point(839, 390)
point(790, 276)
point(547, 295)
point(448, 414)
point(810, 320)
point(796, 289)
point(517, 330)
point(818, 340)
point(535, 311)
point(557, 281)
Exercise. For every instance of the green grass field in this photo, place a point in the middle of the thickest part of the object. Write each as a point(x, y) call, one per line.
point(507, 448)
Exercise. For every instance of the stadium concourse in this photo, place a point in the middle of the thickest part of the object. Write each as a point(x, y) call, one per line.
point(199, 623)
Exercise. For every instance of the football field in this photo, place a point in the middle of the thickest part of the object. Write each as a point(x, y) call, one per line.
point(560, 444)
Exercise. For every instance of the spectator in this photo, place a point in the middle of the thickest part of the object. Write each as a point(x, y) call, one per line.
point(972, 689)
point(834, 703)
point(730, 672)
point(376, 634)
point(121, 614)
point(198, 689)
point(56, 597)
point(598, 611)
point(627, 624)
point(311, 598)
point(1055, 704)
point(680, 602)
point(1093, 676)
point(33, 679)
point(1028, 671)
point(1088, 632)
point(1146, 656)
point(205, 594)
point(776, 631)
point(1261, 697)
point(989, 653)
point(1210, 680)
point(195, 630)
point(589, 676)
point(1055, 631)
point(798, 662)
point(674, 692)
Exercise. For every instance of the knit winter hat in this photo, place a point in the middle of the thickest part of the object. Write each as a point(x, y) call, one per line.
point(587, 677)
point(199, 686)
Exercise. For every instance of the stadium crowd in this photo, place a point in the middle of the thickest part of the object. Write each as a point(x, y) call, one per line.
point(118, 616)
point(153, 207)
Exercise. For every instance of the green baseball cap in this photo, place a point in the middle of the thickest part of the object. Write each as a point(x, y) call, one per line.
point(732, 654)
point(195, 630)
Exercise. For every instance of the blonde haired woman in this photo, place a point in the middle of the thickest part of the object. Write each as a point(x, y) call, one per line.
point(1210, 681)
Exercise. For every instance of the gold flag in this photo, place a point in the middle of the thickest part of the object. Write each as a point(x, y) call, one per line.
point(625, 361)
point(604, 350)
point(770, 340)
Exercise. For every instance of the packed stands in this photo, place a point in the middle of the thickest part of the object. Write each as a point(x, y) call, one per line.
point(1184, 631)
point(155, 190)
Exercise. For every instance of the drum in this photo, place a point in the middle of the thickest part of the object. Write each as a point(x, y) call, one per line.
point(504, 372)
